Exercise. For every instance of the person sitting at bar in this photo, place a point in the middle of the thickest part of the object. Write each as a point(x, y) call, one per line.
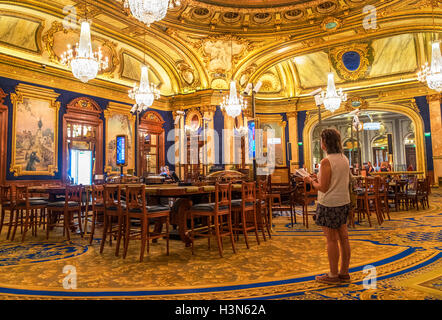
point(370, 168)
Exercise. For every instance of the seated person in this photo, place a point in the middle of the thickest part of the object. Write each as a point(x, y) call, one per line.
point(169, 174)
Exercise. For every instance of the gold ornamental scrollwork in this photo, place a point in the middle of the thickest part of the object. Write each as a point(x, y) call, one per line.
point(365, 52)
point(354, 103)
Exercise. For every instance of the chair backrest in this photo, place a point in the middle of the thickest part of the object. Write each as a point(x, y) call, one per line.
point(21, 196)
point(97, 194)
point(223, 195)
point(136, 197)
point(248, 192)
point(422, 187)
point(5, 194)
point(262, 189)
point(112, 195)
point(73, 193)
point(371, 185)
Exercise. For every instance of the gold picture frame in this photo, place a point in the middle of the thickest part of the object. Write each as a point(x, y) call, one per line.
point(34, 141)
point(122, 112)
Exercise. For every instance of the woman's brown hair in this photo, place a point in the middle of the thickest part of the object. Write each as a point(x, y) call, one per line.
point(332, 140)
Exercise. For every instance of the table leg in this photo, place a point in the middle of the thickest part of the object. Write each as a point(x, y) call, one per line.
point(179, 216)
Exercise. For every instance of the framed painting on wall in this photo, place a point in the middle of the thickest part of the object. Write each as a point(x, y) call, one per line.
point(119, 122)
point(34, 131)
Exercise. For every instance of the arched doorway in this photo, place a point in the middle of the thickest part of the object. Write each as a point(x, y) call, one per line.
point(395, 120)
point(82, 141)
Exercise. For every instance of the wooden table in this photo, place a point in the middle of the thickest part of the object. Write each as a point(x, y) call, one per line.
point(53, 191)
point(185, 195)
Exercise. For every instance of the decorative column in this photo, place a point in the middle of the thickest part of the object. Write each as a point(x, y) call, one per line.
point(180, 146)
point(434, 101)
point(228, 141)
point(292, 118)
point(209, 113)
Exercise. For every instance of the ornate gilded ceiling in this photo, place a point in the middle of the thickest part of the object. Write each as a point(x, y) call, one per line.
point(202, 44)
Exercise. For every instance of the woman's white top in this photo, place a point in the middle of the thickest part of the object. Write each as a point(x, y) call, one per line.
point(338, 193)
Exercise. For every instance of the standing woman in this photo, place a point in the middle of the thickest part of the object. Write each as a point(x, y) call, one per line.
point(333, 205)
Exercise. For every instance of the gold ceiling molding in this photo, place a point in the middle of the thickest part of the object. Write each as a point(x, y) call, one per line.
point(13, 31)
point(245, 75)
point(247, 8)
point(366, 57)
point(355, 103)
point(128, 72)
point(330, 24)
point(222, 52)
point(108, 48)
point(188, 75)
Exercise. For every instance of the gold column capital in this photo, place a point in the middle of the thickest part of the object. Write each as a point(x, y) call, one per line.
point(433, 97)
point(292, 115)
point(208, 109)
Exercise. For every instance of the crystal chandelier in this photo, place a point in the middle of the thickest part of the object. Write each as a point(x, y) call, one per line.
point(145, 94)
point(84, 63)
point(331, 98)
point(232, 103)
point(432, 75)
point(149, 11)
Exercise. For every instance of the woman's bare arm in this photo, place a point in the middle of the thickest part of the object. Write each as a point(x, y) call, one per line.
point(323, 183)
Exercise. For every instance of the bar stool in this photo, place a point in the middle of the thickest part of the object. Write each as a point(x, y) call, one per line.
point(136, 208)
point(7, 203)
point(23, 203)
point(97, 199)
point(113, 208)
point(65, 209)
point(242, 209)
point(214, 211)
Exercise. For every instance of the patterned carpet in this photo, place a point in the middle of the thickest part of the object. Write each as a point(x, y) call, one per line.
point(406, 252)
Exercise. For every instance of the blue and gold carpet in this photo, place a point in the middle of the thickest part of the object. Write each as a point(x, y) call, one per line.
point(406, 252)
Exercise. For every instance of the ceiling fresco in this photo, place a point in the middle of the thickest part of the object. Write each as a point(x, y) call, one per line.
point(203, 44)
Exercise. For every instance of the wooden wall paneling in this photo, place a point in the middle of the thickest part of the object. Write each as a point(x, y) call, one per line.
point(3, 136)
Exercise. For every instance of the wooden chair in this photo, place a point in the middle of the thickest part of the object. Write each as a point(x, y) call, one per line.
point(136, 208)
point(401, 195)
point(368, 200)
point(97, 199)
point(215, 211)
point(113, 208)
point(7, 203)
point(64, 211)
point(262, 208)
point(23, 203)
point(281, 198)
point(304, 195)
point(382, 193)
point(420, 194)
point(244, 212)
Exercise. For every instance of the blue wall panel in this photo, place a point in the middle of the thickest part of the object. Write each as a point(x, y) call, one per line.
point(8, 86)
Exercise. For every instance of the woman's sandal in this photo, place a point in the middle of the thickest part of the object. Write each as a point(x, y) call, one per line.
point(344, 277)
point(328, 280)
